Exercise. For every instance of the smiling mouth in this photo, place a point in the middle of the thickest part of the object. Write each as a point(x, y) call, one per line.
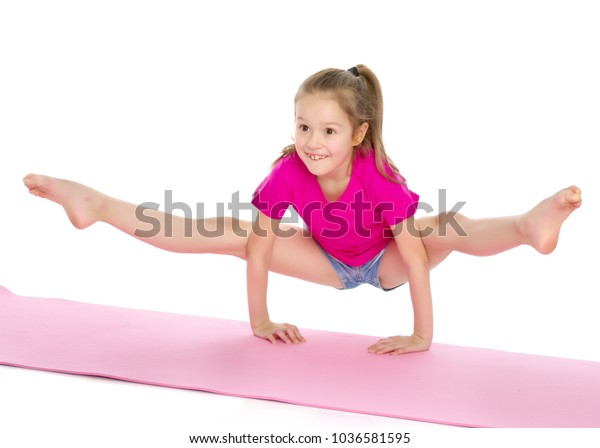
point(314, 157)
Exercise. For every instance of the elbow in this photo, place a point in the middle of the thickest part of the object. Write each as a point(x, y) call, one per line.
point(418, 268)
point(258, 255)
point(258, 258)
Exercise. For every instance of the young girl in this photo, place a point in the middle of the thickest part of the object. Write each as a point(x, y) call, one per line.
point(357, 207)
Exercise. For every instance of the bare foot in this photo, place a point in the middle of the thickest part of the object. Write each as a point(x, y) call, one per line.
point(81, 203)
point(541, 225)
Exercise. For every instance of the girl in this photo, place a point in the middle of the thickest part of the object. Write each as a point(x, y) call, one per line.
point(357, 207)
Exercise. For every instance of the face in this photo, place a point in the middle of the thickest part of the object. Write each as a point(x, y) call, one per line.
point(324, 136)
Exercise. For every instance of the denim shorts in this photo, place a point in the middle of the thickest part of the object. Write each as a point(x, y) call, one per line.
point(353, 276)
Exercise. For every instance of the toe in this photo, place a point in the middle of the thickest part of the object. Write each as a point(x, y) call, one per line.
point(36, 184)
point(33, 180)
point(28, 180)
point(572, 196)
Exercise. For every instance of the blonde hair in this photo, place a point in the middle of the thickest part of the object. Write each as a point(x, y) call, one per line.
point(358, 93)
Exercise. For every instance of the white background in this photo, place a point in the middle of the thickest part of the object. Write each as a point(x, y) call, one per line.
point(496, 102)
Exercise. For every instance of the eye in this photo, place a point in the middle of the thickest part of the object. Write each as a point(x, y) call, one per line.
point(303, 127)
point(330, 131)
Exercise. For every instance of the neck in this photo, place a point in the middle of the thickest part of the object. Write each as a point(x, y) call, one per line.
point(340, 175)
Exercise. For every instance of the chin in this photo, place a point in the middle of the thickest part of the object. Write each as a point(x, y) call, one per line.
point(317, 168)
point(313, 170)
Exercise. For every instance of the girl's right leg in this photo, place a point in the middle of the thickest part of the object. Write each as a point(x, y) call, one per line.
point(296, 254)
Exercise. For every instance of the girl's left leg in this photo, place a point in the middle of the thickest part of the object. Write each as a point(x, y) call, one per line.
point(538, 228)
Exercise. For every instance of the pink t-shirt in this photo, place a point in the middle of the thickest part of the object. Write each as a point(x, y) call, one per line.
point(354, 228)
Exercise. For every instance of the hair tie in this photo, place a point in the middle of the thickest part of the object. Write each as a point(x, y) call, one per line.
point(354, 71)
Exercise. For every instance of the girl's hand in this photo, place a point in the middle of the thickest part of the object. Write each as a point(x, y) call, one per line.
point(398, 345)
point(272, 331)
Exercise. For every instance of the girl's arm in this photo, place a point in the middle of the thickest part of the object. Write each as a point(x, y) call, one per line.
point(414, 255)
point(259, 251)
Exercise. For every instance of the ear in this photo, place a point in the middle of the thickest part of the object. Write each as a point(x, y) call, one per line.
point(360, 133)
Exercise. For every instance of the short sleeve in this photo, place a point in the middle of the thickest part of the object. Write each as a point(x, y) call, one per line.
point(273, 196)
point(395, 202)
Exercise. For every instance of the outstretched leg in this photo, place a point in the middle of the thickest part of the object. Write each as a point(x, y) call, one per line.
point(446, 233)
point(538, 228)
point(85, 206)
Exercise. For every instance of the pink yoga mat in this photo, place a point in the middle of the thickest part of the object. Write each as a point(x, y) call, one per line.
point(448, 384)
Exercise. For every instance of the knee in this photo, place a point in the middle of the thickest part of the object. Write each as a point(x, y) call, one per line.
point(426, 225)
point(439, 225)
point(453, 222)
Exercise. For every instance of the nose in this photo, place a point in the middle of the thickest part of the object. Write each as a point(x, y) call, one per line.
point(314, 141)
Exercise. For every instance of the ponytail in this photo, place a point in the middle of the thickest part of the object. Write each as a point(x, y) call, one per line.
point(374, 137)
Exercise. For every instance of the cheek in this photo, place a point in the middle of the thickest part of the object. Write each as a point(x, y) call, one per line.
point(340, 145)
point(298, 137)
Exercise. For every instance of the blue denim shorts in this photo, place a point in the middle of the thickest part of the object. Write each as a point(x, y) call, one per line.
point(353, 276)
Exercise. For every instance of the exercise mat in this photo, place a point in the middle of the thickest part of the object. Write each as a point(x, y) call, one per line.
point(448, 384)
